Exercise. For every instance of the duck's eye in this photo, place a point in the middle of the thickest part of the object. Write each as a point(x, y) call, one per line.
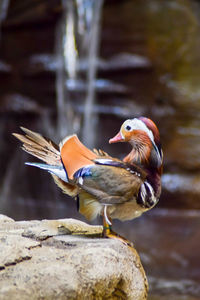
point(128, 128)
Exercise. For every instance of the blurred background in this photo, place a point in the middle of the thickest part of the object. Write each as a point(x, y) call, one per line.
point(85, 66)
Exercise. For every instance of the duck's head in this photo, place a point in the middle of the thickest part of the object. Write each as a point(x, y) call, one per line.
point(143, 135)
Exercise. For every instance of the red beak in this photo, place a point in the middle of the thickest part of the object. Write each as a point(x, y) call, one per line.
point(117, 138)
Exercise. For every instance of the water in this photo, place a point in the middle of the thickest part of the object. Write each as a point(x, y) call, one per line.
point(77, 40)
point(4, 4)
point(66, 67)
point(90, 118)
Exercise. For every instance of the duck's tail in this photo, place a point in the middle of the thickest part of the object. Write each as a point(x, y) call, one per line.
point(47, 151)
point(39, 146)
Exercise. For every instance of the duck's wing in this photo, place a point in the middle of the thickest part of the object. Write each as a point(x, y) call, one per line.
point(107, 179)
point(110, 181)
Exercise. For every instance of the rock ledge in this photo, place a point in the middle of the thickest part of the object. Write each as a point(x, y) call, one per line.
point(65, 259)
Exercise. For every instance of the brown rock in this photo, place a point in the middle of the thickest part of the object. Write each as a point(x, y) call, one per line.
point(39, 261)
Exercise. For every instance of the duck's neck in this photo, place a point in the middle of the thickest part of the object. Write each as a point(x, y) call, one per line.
point(139, 155)
point(147, 158)
point(145, 154)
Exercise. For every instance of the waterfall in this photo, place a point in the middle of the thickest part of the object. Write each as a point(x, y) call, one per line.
point(3, 11)
point(90, 119)
point(77, 44)
point(66, 62)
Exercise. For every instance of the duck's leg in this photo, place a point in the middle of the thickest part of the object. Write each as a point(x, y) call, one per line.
point(108, 232)
point(107, 223)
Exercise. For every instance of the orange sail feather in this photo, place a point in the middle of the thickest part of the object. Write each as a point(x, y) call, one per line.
point(75, 155)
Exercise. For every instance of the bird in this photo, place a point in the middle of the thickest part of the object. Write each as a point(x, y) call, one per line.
point(101, 184)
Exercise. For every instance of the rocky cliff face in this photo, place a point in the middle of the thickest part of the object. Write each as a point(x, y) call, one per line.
point(64, 260)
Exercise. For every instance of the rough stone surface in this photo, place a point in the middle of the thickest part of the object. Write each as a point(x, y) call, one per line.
point(65, 259)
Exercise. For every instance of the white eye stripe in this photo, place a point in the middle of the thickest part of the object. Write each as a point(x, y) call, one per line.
point(137, 124)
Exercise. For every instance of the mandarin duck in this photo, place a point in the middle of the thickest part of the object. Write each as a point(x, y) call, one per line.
point(103, 185)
